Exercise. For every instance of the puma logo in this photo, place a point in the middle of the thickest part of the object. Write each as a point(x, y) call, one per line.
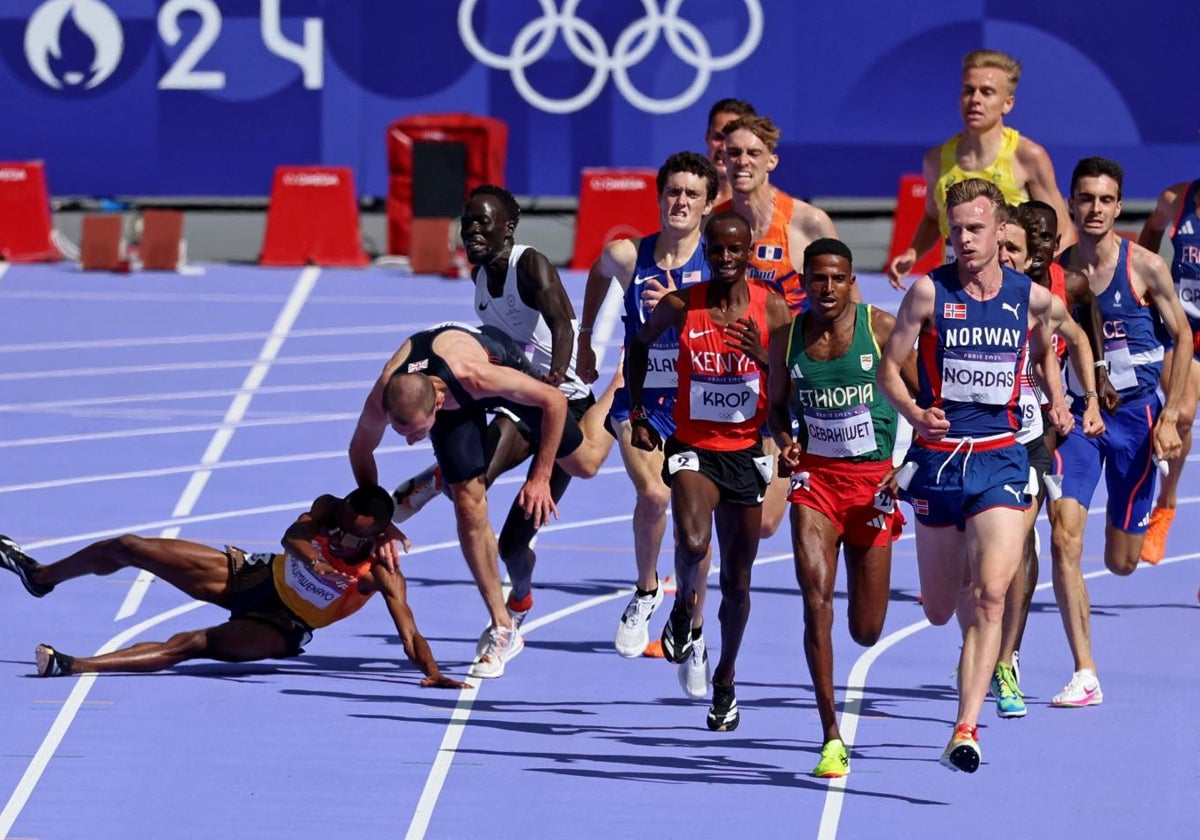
point(1018, 496)
point(1013, 308)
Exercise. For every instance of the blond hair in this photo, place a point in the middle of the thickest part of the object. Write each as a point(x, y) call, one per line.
point(760, 127)
point(964, 192)
point(998, 60)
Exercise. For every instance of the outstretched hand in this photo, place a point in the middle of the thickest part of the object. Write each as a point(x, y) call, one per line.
point(442, 681)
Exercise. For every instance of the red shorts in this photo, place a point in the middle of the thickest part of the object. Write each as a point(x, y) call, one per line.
point(846, 493)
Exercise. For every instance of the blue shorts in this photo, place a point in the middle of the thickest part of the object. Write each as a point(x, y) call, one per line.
point(950, 487)
point(660, 405)
point(1125, 452)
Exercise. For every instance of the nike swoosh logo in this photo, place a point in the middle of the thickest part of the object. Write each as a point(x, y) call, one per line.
point(694, 334)
point(483, 306)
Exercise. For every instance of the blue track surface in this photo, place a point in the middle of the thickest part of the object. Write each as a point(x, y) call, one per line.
point(216, 407)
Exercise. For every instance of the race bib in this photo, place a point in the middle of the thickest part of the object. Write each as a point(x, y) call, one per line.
point(840, 433)
point(765, 465)
point(979, 376)
point(725, 399)
point(660, 369)
point(1031, 416)
point(1189, 296)
point(689, 461)
point(1120, 364)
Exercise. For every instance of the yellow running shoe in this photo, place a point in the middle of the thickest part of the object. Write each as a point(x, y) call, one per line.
point(1155, 544)
point(834, 762)
point(963, 752)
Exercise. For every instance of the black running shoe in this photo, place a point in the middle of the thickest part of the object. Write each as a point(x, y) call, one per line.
point(723, 716)
point(21, 565)
point(677, 635)
point(51, 663)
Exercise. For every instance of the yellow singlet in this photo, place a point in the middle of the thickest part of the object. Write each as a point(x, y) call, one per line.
point(1000, 173)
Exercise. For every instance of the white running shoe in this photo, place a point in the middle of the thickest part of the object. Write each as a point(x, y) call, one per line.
point(417, 492)
point(503, 645)
point(694, 673)
point(633, 631)
point(518, 618)
point(1082, 690)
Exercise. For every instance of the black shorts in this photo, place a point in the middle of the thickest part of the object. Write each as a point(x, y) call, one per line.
point(741, 476)
point(461, 442)
point(252, 588)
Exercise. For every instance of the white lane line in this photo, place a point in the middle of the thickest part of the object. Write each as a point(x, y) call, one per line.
point(208, 338)
point(233, 417)
point(834, 799)
point(176, 396)
point(294, 420)
point(173, 367)
point(66, 715)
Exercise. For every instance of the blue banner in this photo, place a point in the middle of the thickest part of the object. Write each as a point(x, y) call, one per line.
point(205, 97)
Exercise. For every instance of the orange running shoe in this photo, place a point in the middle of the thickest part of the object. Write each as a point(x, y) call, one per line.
point(963, 752)
point(1155, 544)
point(654, 649)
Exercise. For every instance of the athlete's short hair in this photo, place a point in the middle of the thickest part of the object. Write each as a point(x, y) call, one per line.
point(760, 127)
point(729, 105)
point(994, 58)
point(511, 208)
point(692, 163)
point(1006, 214)
point(827, 246)
point(1032, 212)
point(1094, 167)
point(730, 216)
point(406, 394)
point(373, 501)
point(969, 189)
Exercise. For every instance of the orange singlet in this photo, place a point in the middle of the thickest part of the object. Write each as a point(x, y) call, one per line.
point(315, 600)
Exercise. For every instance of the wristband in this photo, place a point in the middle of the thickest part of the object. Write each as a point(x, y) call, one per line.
point(1090, 395)
point(1103, 363)
point(638, 413)
point(585, 330)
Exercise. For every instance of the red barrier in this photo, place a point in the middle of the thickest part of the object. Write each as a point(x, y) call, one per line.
point(313, 218)
point(613, 204)
point(25, 214)
point(162, 233)
point(102, 243)
point(910, 209)
point(486, 143)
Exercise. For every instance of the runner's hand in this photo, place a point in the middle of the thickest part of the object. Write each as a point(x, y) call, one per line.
point(644, 436)
point(745, 336)
point(585, 360)
point(653, 291)
point(898, 269)
point(536, 501)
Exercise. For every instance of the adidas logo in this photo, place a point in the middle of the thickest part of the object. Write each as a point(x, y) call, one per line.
point(1187, 230)
point(878, 523)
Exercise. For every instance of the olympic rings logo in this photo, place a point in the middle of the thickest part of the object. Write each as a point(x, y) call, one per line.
point(634, 43)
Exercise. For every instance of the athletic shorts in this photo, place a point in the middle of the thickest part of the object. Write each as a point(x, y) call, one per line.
point(1125, 453)
point(660, 405)
point(847, 494)
point(741, 476)
point(952, 485)
point(252, 587)
point(460, 437)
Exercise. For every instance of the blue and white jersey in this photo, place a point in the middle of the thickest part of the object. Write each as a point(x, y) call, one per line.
point(1185, 266)
point(660, 371)
point(969, 364)
point(1132, 346)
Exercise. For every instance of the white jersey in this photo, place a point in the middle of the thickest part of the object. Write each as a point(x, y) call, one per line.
point(523, 324)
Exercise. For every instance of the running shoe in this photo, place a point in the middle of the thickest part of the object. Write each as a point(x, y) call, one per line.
point(23, 566)
point(723, 716)
point(1154, 546)
point(633, 631)
point(835, 761)
point(51, 663)
point(417, 492)
point(1010, 702)
point(677, 634)
point(1082, 690)
point(668, 585)
point(654, 649)
point(963, 752)
point(503, 645)
point(694, 673)
point(517, 616)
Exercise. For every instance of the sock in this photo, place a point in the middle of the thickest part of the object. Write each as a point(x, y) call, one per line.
point(523, 605)
point(645, 593)
point(697, 632)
